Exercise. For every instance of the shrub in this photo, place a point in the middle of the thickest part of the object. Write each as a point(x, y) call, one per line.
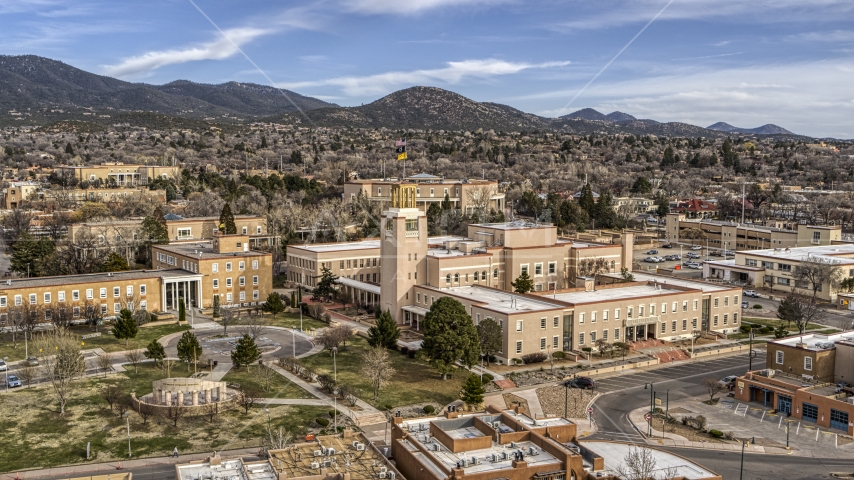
point(388, 406)
point(757, 306)
point(700, 422)
point(331, 413)
point(487, 378)
point(537, 357)
point(764, 330)
point(404, 350)
point(322, 421)
point(517, 361)
point(716, 433)
point(428, 409)
point(744, 328)
point(559, 355)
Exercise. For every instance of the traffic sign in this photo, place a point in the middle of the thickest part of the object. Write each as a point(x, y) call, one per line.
point(590, 410)
point(647, 417)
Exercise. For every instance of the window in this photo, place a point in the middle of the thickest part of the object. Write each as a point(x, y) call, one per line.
point(685, 306)
point(241, 266)
point(255, 264)
point(244, 230)
point(552, 268)
point(32, 299)
point(726, 319)
point(524, 268)
point(543, 343)
point(673, 326)
point(716, 302)
point(555, 341)
point(242, 296)
point(695, 305)
point(652, 308)
point(241, 281)
point(215, 267)
point(778, 357)
point(592, 317)
point(581, 338)
point(663, 327)
point(3, 302)
point(495, 273)
point(258, 229)
point(735, 299)
point(184, 233)
point(116, 291)
point(605, 316)
point(640, 311)
point(542, 323)
point(519, 347)
point(456, 278)
point(693, 323)
point(448, 278)
point(629, 312)
point(228, 282)
point(341, 265)
point(229, 297)
point(783, 281)
point(538, 269)
point(75, 312)
point(556, 322)
point(475, 276)
point(17, 300)
point(48, 314)
point(581, 318)
point(675, 307)
point(726, 301)
point(103, 293)
point(616, 314)
point(716, 321)
point(75, 295)
point(255, 280)
point(735, 319)
point(254, 294)
point(143, 305)
point(518, 325)
point(227, 266)
point(605, 334)
point(215, 283)
point(616, 334)
point(117, 307)
point(142, 289)
point(103, 308)
point(593, 336)
point(684, 324)
point(808, 363)
point(47, 297)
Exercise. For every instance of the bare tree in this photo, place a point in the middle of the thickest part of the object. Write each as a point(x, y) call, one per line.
point(335, 336)
point(712, 386)
point(377, 367)
point(105, 363)
point(228, 316)
point(135, 357)
point(145, 411)
point(276, 438)
point(211, 410)
point(316, 310)
point(61, 314)
point(174, 412)
point(93, 314)
point(254, 325)
point(817, 273)
point(264, 373)
point(28, 373)
point(592, 266)
point(248, 397)
point(111, 394)
point(640, 464)
point(167, 365)
point(61, 361)
point(17, 222)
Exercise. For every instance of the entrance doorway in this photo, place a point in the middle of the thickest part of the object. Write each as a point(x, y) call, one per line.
point(784, 404)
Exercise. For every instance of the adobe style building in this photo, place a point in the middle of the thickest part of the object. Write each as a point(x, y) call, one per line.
point(732, 236)
point(239, 276)
point(179, 228)
point(773, 268)
point(464, 194)
point(803, 377)
point(121, 173)
point(18, 192)
point(507, 444)
point(579, 295)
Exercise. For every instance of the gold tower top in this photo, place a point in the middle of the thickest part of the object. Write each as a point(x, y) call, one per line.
point(403, 195)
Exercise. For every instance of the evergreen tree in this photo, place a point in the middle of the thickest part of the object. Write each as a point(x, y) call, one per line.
point(245, 352)
point(263, 142)
point(293, 299)
point(69, 150)
point(523, 284)
point(326, 284)
point(114, 263)
point(641, 186)
point(489, 333)
point(385, 333)
point(189, 348)
point(628, 157)
point(274, 304)
point(662, 205)
point(668, 158)
point(296, 157)
point(226, 220)
point(446, 203)
point(155, 351)
point(449, 336)
point(586, 200)
point(215, 307)
point(27, 253)
point(154, 228)
point(125, 326)
point(473, 391)
point(182, 310)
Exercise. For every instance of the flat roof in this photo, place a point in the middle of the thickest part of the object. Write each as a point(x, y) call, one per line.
point(706, 287)
point(94, 277)
point(335, 454)
point(504, 302)
point(368, 244)
point(231, 469)
point(614, 294)
point(615, 454)
point(204, 250)
point(814, 341)
point(516, 225)
point(799, 254)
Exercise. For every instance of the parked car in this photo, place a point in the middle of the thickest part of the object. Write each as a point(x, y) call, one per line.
point(750, 293)
point(13, 381)
point(580, 382)
point(716, 253)
point(692, 255)
point(745, 305)
point(729, 253)
point(696, 247)
point(649, 259)
point(676, 256)
point(667, 245)
point(695, 266)
point(32, 361)
point(3, 366)
point(652, 252)
point(729, 380)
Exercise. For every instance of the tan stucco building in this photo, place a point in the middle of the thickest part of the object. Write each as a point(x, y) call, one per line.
point(464, 194)
point(124, 174)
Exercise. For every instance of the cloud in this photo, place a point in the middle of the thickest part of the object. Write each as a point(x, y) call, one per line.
point(454, 73)
point(708, 56)
point(832, 36)
point(219, 49)
point(409, 7)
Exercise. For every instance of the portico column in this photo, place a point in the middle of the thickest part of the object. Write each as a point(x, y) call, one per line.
point(218, 397)
point(195, 397)
point(158, 396)
point(207, 394)
point(168, 398)
point(180, 398)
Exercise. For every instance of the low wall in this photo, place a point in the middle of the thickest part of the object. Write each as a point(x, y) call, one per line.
point(620, 368)
point(190, 410)
point(719, 351)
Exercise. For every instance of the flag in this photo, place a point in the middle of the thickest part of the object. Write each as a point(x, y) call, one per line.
point(402, 156)
point(400, 149)
point(400, 143)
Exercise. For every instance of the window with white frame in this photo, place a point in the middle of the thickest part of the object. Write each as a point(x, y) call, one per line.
point(778, 357)
point(116, 291)
point(214, 267)
point(552, 268)
point(605, 334)
point(518, 325)
point(616, 314)
point(255, 282)
point(543, 323)
point(556, 322)
point(254, 294)
point(255, 264)
point(716, 302)
point(103, 293)
point(228, 282)
point(241, 281)
point(675, 307)
point(75, 295)
point(229, 297)
point(673, 326)
point(518, 347)
point(17, 300)
point(715, 321)
point(695, 305)
point(663, 327)
point(143, 305)
point(47, 297)
point(142, 289)
point(593, 336)
point(684, 324)
point(524, 268)
point(241, 265)
point(129, 290)
point(581, 338)
point(543, 343)
point(808, 363)
point(227, 266)
point(685, 306)
point(117, 307)
point(538, 269)
point(103, 308)
point(616, 334)
point(593, 317)
point(32, 299)
point(184, 233)
point(215, 282)
point(242, 296)
point(3, 301)
point(244, 230)
point(580, 318)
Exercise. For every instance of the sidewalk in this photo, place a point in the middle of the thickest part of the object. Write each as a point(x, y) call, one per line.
point(109, 467)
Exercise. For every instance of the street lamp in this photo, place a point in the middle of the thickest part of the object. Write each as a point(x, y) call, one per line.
point(300, 304)
point(335, 402)
point(268, 418)
point(651, 406)
point(334, 364)
point(6, 361)
point(566, 399)
point(127, 419)
point(741, 470)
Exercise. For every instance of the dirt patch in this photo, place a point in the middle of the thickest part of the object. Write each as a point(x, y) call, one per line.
point(417, 410)
point(557, 401)
point(513, 401)
point(844, 440)
point(688, 432)
point(680, 411)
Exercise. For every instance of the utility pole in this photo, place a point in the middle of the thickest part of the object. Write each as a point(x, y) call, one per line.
point(742, 204)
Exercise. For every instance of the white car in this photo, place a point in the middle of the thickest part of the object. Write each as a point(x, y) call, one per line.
point(750, 293)
point(3, 366)
point(695, 266)
point(696, 247)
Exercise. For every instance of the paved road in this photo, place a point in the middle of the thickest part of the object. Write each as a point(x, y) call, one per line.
point(764, 467)
point(622, 394)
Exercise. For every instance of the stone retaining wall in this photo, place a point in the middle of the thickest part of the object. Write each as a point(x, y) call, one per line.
point(718, 351)
point(191, 410)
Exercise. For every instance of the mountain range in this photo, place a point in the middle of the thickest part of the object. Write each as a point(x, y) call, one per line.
point(41, 91)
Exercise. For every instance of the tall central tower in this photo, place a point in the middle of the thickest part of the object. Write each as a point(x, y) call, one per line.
point(403, 251)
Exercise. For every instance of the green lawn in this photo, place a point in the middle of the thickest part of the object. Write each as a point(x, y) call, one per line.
point(278, 386)
point(414, 382)
point(774, 323)
point(105, 341)
point(291, 320)
point(31, 426)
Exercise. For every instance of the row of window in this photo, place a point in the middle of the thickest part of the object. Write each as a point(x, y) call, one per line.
point(418, 192)
point(594, 334)
point(544, 344)
point(240, 266)
point(241, 281)
point(75, 311)
point(75, 295)
point(778, 359)
point(543, 323)
point(538, 268)
point(478, 276)
point(229, 297)
point(360, 262)
point(185, 233)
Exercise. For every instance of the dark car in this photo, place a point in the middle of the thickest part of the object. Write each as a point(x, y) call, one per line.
point(580, 382)
point(667, 245)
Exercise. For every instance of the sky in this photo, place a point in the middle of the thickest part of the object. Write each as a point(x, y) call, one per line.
point(747, 63)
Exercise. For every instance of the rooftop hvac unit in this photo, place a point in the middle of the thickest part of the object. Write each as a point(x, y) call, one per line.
point(360, 447)
point(475, 461)
point(534, 451)
point(512, 444)
point(383, 469)
point(391, 475)
point(436, 446)
point(405, 426)
point(323, 450)
point(493, 458)
point(504, 455)
point(768, 372)
point(315, 465)
point(851, 400)
point(327, 463)
point(318, 453)
point(383, 475)
point(496, 425)
point(355, 444)
point(331, 451)
point(423, 427)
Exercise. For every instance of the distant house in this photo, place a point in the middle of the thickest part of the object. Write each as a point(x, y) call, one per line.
point(695, 208)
